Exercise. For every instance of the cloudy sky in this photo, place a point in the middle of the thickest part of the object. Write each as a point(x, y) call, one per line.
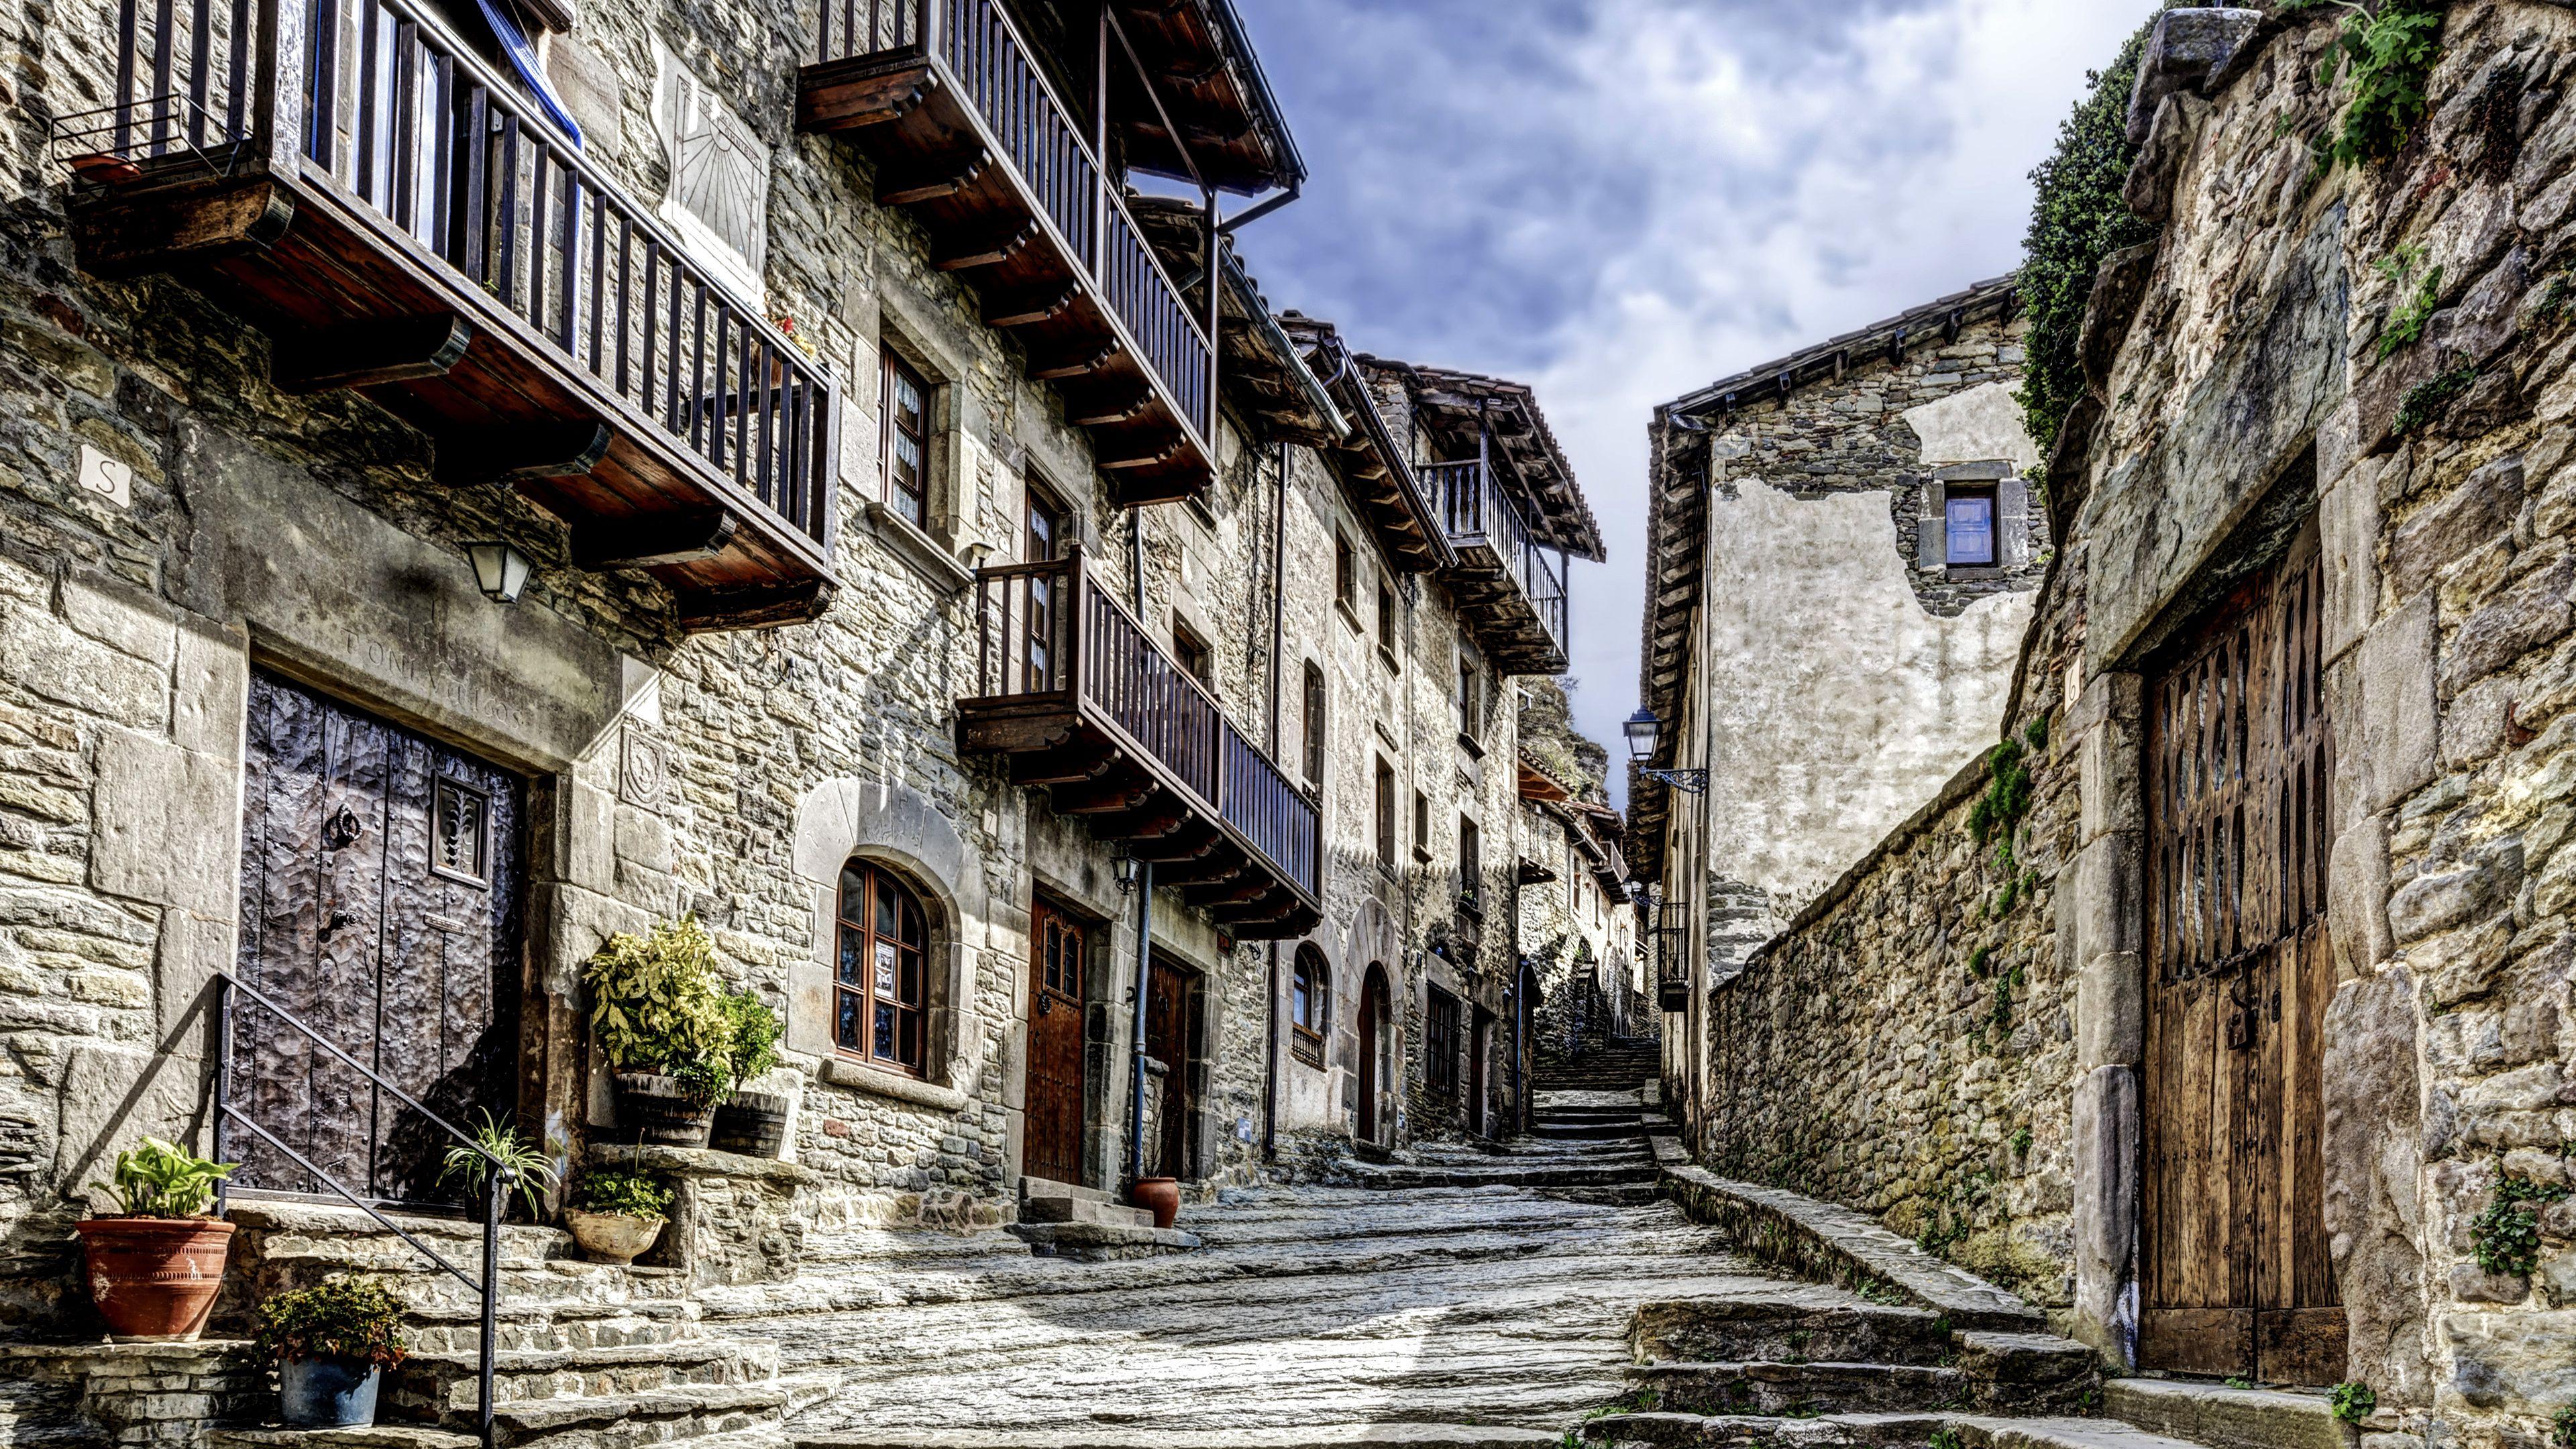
point(1620, 200)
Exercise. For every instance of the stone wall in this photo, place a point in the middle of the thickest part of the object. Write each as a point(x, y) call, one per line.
point(2244, 381)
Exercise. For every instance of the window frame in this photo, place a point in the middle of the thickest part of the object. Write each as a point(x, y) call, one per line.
point(1346, 577)
point(1440, 1042)
point(895, 368)
point(1039, 501)
point(878, 881)
point(1992, 497)
point(1422, 827)
point(1310, 1004)
point(1194, 655)
point(1471, 866)
point(1385, 817)
point(1315, 727)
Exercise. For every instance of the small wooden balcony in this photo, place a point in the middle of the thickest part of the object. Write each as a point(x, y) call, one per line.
point(350, 177)
point(1076, 693)
point(1672, 955)
point(971, 138)
point(1503, 580)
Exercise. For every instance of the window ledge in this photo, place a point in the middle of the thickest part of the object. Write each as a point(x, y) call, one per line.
point(906, 541)
point(843, 1072)
point(1386, 657)
point(1350, 616)
point(1474, 747)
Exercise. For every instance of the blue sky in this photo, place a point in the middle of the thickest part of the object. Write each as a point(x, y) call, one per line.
point(1620, 200)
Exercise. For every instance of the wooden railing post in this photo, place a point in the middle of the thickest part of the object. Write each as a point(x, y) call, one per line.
point(1076, 622)
point(278, 114)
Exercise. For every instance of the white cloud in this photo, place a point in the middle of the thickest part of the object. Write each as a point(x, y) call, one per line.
point(1622, 201)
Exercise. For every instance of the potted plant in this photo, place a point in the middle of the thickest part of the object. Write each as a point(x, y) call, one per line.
point(751, 1123)
point(332, 1343)
point(154, 1264)
point(660, 1021)
point(617, 1213)
point(531, 1167)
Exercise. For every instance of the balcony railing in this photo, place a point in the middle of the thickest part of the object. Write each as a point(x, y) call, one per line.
point(988, 64)
point(451, 183)
point(1482, 522)
point(1049, 638)
point(1672, 955)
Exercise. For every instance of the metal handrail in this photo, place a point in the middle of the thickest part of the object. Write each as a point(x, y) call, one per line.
point(495, 1188)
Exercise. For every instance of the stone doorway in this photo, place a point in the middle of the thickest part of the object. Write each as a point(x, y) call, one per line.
point(1058, 1085)
point(2235, 1275)
point(1172, 1017)
point(1374, 1042)
point(382, 886)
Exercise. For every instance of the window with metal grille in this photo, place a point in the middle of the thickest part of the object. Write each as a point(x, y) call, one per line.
point(906, 410)
point(1440, 1042)
point(1310, 1005)
point(1471, 865)
point(884, 979)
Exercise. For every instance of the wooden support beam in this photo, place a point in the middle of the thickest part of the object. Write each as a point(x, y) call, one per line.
point(173, 226)
point(537, 450)
point(363, 354)
point(1030, 309)
point(766, 606)
point(1165, 458)
point(932, 180)
point(1071, 365)
point(1109, 797)
point(1181, 848)
point(1109, 409)
point(990, 249)
point(1152, 823)
point(844, 96)
point(1074, 764)
point(652, 540)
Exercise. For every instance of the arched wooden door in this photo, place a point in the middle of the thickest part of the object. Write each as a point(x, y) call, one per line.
point(2234, 1272)
point(1372, 1050)
point(1056, 1078)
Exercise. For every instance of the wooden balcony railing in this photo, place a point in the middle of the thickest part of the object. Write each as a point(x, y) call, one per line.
point(418, 180)
point(1488, 533)
point(937, 86)
point(1054, 644)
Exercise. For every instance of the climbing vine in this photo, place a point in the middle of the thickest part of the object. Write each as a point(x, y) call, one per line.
point(2507, 1235)
point(2081, 216)
point(2386, 59)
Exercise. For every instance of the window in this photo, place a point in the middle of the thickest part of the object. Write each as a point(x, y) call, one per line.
point(1440, 1042)
point(1471, 701)
point(1346, 575)
point(1970, 527)
point(1471, 872)
point(1193, 655)
point(1310, 1005)
point(461, 833)
point(1386, 615)
point(1421, 826)
point(907, 442)
point(1386, 815)
point(883, 991)
point(1047, 530)
point(1314, 726)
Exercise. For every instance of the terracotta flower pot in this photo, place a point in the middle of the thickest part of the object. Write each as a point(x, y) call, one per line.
point(613, 1237)
point(1160, 1196)
point(154, 1278)
point(753, 1124)
point(656, 1109)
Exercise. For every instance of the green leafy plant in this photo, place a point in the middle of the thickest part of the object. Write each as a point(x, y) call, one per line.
point(2431, 399)
point(158, 1178)
point(751, 1034)
point(2562, 1429)
point(2406, 324)
point(532, 1165)
point(2081, 215)
point(655, 1006)
point(621, 1192)
point(2239, 1382)
point(1945, 1439)
point(2035, 733)
point(2386, 59)
point(2007, 797)
point(2021, 1140)
point(2506, 1236)
point(2353, 1401)
point(336, 1318)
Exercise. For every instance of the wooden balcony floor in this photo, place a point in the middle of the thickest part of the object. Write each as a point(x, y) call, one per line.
point(345, 298)
point(1094, 772)
point(936, 160)
point(1508, 624)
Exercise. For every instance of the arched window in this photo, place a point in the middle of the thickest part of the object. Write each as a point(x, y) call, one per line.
point(884, 987)
point(1310, 1004)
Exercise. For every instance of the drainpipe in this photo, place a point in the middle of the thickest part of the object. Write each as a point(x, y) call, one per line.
point(1278, 642)
point(1136, 1057)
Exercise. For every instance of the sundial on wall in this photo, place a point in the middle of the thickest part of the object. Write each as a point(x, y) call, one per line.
point(719, 175)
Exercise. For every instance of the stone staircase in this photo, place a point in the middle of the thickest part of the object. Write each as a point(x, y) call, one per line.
point(586, 1355)
point(1063, 1220)
point(1617, 1064)
point(1579, 1141)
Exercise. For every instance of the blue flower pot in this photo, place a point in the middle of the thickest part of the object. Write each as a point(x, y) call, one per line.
point(327, 1393)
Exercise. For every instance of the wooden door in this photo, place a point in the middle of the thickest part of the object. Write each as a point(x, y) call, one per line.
point(381, 875)
point(1170, 1032)
point(2234, 1273)
point(1372, 1050)
point(1056, 1087)
point(1480, 1042)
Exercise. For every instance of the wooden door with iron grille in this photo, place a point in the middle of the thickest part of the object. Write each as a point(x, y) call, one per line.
point(2234, 1273)
point(381, 876)
point(1056, 1076)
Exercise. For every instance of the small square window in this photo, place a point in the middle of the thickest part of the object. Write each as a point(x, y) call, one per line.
point(461, 834)
point(1346, 574)
point(1969, 521)
point(1194, 656)
point(906, 402)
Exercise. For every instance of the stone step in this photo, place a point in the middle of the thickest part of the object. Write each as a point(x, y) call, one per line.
point(699, 1412)
point(1098, 1242)
point(1719, 1330)
point(1066, 1208)
point(442, 1387)
point(1797, 1389)
point(377, 1436)
point(1321, 1436)
point(619, 1328)
point(1866, 1431)
point(2225, 1418)
point(1587, 1130)
point(2029, 1372)
point(1397, 1177)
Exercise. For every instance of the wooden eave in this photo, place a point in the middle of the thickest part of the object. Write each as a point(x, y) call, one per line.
point(1375, 474)
point(1210, 83)
point(1537, 785)
point(1457, 408)
point(1262, 376)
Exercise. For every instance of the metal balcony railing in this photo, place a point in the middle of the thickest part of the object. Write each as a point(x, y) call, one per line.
point(1478, 515)
point(987, 59)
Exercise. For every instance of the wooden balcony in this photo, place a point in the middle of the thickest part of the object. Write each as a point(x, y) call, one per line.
point(1503, 579)
point(972, 139)
point(1672, 955)
point(352, 179)
point(1075, 692)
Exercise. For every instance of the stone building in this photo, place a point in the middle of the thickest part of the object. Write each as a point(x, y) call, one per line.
point(1577, 921)
point(474, 492)
point(1845, 547)
point(2227, 1010)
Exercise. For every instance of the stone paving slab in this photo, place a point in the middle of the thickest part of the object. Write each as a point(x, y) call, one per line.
point(1321, 1436)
